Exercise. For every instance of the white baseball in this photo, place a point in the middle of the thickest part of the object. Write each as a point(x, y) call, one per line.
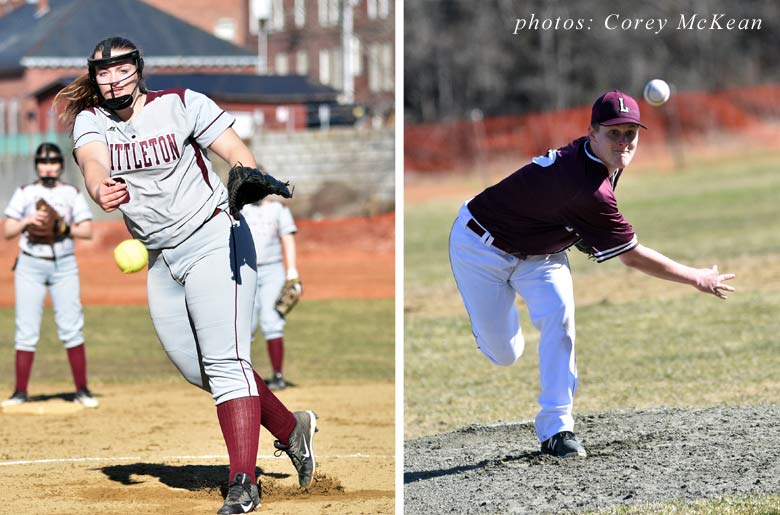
point(656, 92)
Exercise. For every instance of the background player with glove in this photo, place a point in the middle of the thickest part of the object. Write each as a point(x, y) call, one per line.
point(273, 231)
point(48, 214)
point(511, 239)
point(145, 153)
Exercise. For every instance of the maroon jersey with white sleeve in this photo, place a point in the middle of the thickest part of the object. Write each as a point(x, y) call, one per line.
point(551, 203)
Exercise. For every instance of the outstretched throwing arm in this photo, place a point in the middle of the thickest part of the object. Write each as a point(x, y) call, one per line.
point(651, 262)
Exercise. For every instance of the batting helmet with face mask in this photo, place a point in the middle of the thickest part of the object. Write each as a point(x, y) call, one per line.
point(49, 153)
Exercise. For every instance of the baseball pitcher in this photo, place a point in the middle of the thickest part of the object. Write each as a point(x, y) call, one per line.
point(512, 239)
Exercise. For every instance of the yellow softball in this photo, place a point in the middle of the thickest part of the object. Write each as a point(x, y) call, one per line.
point(131, 256)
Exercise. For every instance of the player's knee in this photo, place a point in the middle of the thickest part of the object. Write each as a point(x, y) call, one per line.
point(502, 353)
point(70, 342)
point(199, 382)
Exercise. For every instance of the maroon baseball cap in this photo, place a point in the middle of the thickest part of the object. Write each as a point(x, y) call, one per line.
point(614, 108)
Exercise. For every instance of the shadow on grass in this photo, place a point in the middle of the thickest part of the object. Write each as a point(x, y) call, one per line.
point(187, 477)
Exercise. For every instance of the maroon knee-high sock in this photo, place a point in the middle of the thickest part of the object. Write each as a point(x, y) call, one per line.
point(239, 420)
point(24, 362)
point(276, 353)
point(78, 365)
point(275, 416)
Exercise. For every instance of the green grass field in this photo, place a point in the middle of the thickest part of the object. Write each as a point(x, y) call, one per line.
point(326, 341)
point(641, 341)
point(722, 506)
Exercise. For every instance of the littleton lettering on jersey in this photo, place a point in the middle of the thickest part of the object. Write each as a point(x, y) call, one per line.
point(144, 154)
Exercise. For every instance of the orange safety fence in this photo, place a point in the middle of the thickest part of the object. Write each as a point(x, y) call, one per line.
point(687, 119)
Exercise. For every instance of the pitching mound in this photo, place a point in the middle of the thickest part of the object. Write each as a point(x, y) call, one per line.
point(634, 457)
point(321, 484)
point(156, 448)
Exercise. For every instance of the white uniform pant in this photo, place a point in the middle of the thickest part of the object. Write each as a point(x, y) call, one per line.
point(488, 280)
point(200, 299)
point(32, 277)
point(270, 281)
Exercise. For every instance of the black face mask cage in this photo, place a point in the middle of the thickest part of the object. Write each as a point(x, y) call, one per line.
point(106, 59)
point(49, 181)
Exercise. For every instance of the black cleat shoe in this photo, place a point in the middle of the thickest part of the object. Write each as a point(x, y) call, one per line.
point(15, 399)
point(276, 382)
point(300, 448)
point(243, 496)
point(563, 445)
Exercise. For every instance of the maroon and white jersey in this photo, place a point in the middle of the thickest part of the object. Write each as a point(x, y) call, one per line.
point(549, 204)
point(66, 199)
point(161, 156)
point(268, 221)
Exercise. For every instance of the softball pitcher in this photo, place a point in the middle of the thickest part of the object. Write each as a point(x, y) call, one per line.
point(146, 153)
point(273, 231)
point(511, 239)
point(48, 214)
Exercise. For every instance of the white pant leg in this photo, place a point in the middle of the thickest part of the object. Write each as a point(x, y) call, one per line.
point(270, 281)
point(30, 279)
point(66, 300)
point(171, 320)
point(549, 294)
point(482, 274)
point(216, 269)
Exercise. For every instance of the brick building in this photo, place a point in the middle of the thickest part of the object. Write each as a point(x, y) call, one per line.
point(45, 41)
point(309, 37)
point(346, 44)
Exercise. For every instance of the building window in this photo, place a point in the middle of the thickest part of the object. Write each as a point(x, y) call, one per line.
point(328, 12)
point(387, 67)
point(301, 62)
point(331, 68)
point(380, 68)
point(277, 15)
point(384, 8)
point(225, 28)
point(337, 68)
point(377, 8)
point(322, 12)
point(357, 62)
point(324, 67)
point(281, 64)
point(300, 13)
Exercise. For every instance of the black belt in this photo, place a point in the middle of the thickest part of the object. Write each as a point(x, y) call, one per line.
point(39, 257)
point(479, 231)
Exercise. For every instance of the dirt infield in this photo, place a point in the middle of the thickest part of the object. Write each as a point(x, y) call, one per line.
point(635, 456)
point(156, 447)
point(351, 258)
point(141, 454)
